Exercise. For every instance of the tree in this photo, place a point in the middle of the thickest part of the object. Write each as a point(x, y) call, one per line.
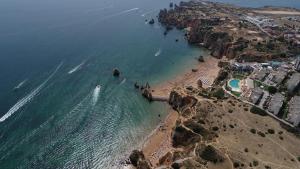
point(272, 89)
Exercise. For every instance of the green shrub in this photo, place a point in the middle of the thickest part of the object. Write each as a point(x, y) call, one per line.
point(272, 89)
point(271, 131)
point(219, 93)
point(257, 110)
point(253, 131)
point(261, 134)
point(255, 163)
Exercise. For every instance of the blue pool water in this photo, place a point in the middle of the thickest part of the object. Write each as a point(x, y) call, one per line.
point(234, 83)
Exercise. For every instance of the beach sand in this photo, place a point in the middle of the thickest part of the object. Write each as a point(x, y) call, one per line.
point(206, 71)
point(159, 142)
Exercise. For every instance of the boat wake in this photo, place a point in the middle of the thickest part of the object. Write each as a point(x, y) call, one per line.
point(20, 84)
point(149, 12)
point(76, 68)
point(28, 97)
point(123, 81)
point(96, 94)
point(158, 53)
point(120, 13)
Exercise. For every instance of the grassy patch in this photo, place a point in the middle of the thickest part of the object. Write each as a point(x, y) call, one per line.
point(238, 76)
point(237, 94)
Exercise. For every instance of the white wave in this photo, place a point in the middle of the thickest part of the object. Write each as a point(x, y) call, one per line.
point(28, 97)
point(76, 68)
point(96, 94)
point(149, 12)
point(158, 53)
point(21, 84)
point(123, 81)
point(120, 13)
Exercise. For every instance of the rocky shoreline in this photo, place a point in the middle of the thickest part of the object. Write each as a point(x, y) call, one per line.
point(207, 127)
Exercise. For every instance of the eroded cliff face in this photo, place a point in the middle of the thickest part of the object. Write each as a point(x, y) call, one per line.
point(224, 32)
point(191, 137)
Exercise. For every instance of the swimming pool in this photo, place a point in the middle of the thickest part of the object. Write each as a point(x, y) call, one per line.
point(234, 84)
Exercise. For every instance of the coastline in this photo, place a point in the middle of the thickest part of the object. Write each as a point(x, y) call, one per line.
point(158, 143)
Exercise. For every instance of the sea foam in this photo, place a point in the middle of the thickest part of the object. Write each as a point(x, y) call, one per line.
point(96, 95)
point(28, 97)
point(76, 68)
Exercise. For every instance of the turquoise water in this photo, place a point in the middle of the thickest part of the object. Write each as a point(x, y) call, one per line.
point(53, 53)
point(234, 83)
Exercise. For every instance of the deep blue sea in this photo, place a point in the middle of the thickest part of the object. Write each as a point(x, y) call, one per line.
point(53, 53)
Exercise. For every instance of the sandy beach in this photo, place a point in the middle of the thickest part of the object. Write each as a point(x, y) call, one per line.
point(159, 142)
point(207, 71)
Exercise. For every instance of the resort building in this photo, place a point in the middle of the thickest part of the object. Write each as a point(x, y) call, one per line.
point(260, 75)
point(275, 78)
point(242, 67)
point(293, 82)
point(276, 103)
point(294, 111)
point(256, 95)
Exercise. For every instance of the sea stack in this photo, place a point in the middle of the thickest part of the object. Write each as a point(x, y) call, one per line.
point(151, 22)
point(116, 72)
point(200, 58)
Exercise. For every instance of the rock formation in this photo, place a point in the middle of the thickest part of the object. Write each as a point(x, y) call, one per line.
point(138, 160)
point(151, 22)
point(116, 72)
point(200, 58)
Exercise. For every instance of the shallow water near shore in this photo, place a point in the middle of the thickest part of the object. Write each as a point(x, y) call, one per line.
point(53, 54)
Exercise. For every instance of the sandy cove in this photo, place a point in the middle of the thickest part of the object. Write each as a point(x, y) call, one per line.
point(159, 142)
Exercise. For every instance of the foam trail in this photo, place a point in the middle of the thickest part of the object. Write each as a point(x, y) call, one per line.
point(158, 53)
point(120, 13)
point(96, 94)
point(28, 97)
point(146, 13)
point(76, 68)
point(123, 81)
point(21, 84)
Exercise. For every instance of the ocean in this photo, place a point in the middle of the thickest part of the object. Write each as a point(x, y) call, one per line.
point(54, 53)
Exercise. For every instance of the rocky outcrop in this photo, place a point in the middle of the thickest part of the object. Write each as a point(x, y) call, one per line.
point(138, 160)
point(200, 58)
point(116, 72)
point(201, 30)
point(151, 22)
point(209, 153)
point(198, 128)
point(183, 137)
point(179, 101)
point(217, 42)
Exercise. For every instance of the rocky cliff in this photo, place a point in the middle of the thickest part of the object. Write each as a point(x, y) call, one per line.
point(191, 137)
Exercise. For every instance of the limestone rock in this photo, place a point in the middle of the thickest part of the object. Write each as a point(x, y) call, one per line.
point(200, 58)
point(183, 137)
point(209, 153)
point(166, 159)
point(151, 22)
point(136, 156)
point(179, 101)
point(116, 72)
